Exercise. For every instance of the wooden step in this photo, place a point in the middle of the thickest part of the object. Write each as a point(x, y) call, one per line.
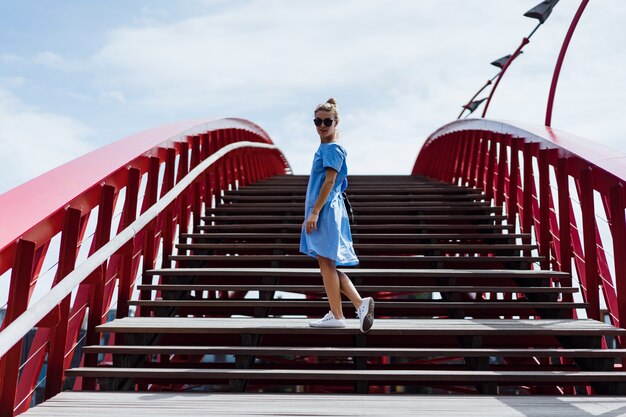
point(361, 189)
point(385, 228)
point(306, 306)
point(365, 288)
point(239, 208)
point(369, 204)
point(356, 198)
point(447, 219)
point(336, 376)
point(376, 248)
point(382, 327)
point(184, 404)
point(365, 237)
point(366, 261)
point(358, 272)
point(356, 351)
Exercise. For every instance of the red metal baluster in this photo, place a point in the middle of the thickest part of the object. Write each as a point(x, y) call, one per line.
point(21, 276)
point(482, 155)
point(502, 170)
point(544, 209)
point(618, 232)
point(511, 204)
point(149, 234)
point(528, 192)
point(96, 307)
point(491, 166)
point(471, 158)
point(126, 267)
point(67, 260)
point(591, 282)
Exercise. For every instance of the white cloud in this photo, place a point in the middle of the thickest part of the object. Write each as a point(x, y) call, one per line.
point(268, 58)
point(399, 70)
point(33, 142)
point(48, 59)
point(114, 96)
point(12, 82)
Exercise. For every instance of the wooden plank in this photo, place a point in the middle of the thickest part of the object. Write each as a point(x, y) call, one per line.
point(377, 247)
point(362, 189)
point(355, 351)
point(288, 208)
point(363, 218)
point(359, 227)
point(515, 377)
point(362, 288)
point(363, 236)
point(388, 306)
point(414, 198)
point(290, 202)
point(185, 404)
point(358, 272)
point(304, 260)
point(408, 327)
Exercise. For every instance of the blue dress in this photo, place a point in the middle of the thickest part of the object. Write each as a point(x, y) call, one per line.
point(332, 239)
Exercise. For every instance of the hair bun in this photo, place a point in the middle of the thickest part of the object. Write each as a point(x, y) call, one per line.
point(332, 101)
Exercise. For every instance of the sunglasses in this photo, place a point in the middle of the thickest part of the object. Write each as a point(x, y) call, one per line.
point(327, 122)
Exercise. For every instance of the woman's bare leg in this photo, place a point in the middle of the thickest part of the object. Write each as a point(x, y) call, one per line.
point(331, 285)
point(348, 289)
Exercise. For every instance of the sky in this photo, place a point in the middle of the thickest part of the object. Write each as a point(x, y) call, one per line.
point(76, 75)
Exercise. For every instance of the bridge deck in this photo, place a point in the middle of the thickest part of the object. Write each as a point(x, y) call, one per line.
point(154, 404)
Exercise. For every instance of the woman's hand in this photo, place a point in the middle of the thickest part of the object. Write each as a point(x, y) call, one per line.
point(311, 222)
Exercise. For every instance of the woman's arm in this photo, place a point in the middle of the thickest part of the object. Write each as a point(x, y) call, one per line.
point(311, 222)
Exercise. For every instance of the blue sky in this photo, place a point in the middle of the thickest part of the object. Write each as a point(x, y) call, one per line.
point(75, 75)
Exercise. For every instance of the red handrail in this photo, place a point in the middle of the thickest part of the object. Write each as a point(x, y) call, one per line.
point(565, 190)
point(61, 202)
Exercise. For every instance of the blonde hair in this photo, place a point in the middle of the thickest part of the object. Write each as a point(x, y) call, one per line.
point(329, 106)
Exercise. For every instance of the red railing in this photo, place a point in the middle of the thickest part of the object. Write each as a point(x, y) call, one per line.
point(167, 176)
point(566, 191)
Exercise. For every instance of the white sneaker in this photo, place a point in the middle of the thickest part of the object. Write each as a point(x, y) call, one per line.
point(365, 313)
point(329, 321)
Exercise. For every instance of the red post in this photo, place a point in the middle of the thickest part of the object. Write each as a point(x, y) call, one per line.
point(458, 157)
point(101, 237)
point(195, 151)
point(565, 244)
point(462, 164)
point(491, 167)
point(482, 154)
point(527, 194)
point(169, 175)
point(168, 237)
point(183, 161)
point(565, 239)
point(511, 204)
point(502, 170)
point(67, 261)
point(592, 279)
point(618, 232)
point(126, 267)
point(544, 208)
point(21, 276)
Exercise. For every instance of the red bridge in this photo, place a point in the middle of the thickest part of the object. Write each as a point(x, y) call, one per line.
point(497, 265)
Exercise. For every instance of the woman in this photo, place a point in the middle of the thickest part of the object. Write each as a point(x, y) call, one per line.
point(326, 231)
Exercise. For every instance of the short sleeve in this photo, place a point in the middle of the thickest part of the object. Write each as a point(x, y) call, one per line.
point(333, 157)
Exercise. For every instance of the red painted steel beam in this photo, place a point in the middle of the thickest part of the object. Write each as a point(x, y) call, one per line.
point(560, 59)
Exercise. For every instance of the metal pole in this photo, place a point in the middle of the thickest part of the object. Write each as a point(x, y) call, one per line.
point(559, 62)
point(506, 66)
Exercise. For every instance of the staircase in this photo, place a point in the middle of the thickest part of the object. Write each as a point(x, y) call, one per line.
point(458, 308)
